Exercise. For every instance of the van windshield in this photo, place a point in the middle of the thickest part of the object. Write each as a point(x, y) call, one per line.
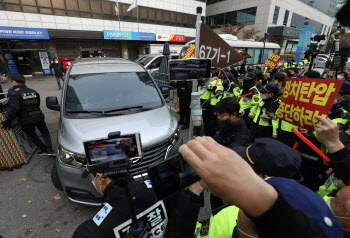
point(111, 93)
point(145, 60)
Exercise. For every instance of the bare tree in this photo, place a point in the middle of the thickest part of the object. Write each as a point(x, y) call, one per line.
point(233, 30)
point(249, 33)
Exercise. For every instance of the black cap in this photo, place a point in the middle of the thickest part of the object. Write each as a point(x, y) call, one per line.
point(345, 88)
point(342, 169)
point(99, 168)
point(18, 78)
point(271, 157)
point(345, 136)
point(249, 76)
point(269, 88)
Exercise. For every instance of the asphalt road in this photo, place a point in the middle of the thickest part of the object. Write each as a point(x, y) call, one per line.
point(30, 205)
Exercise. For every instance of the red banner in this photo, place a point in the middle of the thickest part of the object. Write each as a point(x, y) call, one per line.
point(189, 52)
point(272, 60)
point(305, 98)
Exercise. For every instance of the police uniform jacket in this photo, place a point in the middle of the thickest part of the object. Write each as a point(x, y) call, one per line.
point(115, 196)
point(24, 103)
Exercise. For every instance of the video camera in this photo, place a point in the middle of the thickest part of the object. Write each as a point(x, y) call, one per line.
point(114, 156)
point(318, 38)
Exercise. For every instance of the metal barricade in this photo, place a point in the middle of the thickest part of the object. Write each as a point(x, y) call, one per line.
point(16, 148)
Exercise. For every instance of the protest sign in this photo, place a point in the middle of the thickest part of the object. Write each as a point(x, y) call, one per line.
point(213, 47)
point(189, 52)
point(244, 54)
point(305, 98)
point(272, 60)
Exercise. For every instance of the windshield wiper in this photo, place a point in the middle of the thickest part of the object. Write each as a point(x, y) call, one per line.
point(123, 109)
point(84, 111)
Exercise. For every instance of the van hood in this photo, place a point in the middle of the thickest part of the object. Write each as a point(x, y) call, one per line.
point(155, 126)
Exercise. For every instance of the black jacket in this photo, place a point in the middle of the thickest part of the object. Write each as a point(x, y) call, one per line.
point(115, 196)
point(3, 68)
point(24, 103)
point(236, 135)
point(59, 70)
point(292, 222)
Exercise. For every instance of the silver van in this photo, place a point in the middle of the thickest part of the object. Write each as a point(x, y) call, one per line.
point(151, 62)
point(103, 95)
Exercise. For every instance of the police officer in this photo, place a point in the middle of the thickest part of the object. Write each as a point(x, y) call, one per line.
point(266, 112)
point(3, 76)
point(184, 90)
point(116, 201)
point(247, 85)
point(341, 106)
point(25, 103)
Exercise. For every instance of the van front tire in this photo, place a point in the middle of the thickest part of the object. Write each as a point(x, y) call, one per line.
point(55, 178)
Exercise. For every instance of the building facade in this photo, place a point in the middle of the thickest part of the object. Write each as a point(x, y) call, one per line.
point(92, 27)
point(263, 14)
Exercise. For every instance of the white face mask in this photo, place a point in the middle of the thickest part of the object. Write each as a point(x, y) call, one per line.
point(340, 77)
point(56, 61)
point(263, 96)
point(93, 183)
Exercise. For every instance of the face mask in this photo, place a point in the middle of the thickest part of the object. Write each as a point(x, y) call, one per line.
point(224, 123)
point(56, 61)
point(263, 96)
point(340, 77)
point(93, 183)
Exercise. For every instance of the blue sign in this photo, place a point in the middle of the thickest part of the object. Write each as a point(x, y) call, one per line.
point(128, 35)
point(11, 63)
point(304, 42)
point(23, 33)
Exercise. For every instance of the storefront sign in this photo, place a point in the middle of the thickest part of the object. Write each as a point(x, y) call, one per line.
point(45, 62)
point(189, 52)
point(23, 33)
point(302, 100)
point(272, 60)
point(128, 35)
point(11, 64)
point(170, 37)
point(304, 42)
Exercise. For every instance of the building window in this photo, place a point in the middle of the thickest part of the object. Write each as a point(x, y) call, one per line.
point(275, 15)
point(286, 16)
point(246, 16)
point(299, 21)
point(212, 1)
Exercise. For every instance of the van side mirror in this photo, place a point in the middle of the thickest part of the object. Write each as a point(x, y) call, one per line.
point(165, 92)
point(52, 103)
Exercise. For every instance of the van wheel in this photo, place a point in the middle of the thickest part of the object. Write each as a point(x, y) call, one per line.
point(55, 178)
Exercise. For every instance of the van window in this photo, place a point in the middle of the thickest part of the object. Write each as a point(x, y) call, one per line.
point(111, 91)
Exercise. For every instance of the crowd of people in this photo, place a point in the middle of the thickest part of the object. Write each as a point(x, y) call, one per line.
point(260, 186)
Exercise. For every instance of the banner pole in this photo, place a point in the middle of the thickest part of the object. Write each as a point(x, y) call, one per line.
point(196, 55)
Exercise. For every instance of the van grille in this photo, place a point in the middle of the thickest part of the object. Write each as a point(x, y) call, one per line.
point(151, 155)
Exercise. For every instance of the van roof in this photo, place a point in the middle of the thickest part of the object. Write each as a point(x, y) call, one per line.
point(104, 65)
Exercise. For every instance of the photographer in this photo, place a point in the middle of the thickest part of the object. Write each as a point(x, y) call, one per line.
point(115, 196)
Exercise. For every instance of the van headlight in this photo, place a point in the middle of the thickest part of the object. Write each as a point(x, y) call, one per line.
point(70, 158)
point(176, 137)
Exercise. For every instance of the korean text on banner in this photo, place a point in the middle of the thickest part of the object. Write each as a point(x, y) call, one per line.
point(272, 60)
point(302, 100)
point(189, 52)
point(304, 42)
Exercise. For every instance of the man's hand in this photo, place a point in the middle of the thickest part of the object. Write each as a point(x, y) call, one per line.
point(265, 118)
point(6, 125)
point(242, 113)
point(225, 174)
point(303, 131)
point(4, 79)
point(328, 133)
point(196, 188)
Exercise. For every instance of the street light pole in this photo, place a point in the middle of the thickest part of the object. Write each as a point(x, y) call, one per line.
point(263, 51)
